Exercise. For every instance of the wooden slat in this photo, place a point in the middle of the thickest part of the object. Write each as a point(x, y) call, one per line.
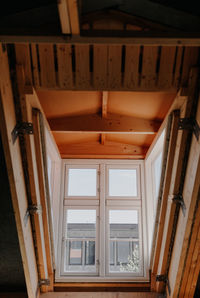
point(175, 182)
point(114, 67)
point(47, 65)
point(42, 187)
point(177, 71)
point(64, 16)
point(165, 75)
point(74, 16)
point(96, 149)
point(92, 294)
point(113, 123)
point(100, 66)
point(36, 78)
point(16, 177)
point(149, 61)
point(131, 74)
point(138, 38)
point(65, 74)
point(82, 67)
point(23, 58)
point(190, 60)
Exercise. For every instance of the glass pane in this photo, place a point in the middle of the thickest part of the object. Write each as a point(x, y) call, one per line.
point(82, 182)
point(124, 244)
point(122, 183)
point(80, 241)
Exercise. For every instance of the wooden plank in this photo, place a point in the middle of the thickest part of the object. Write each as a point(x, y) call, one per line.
point(42, 187)
point(22, 52)
point(36, 78)
point(99, 295)
point(165, 193)
point(104, 104)
point(74, 16)
point(47, 65)
point(94, 123)
point(33, 183)
point(176, 177)
point(178, 67)
point(188, 225)
point(138, 38)
point(108, 285)
point(82, 66)
point(94, 148)
point(114, 67)
point(165, 75)
point(100, 66)
point(16, 177)
point(149, 61)
point(65, 74)
point(64, 16)
point(131, 74)
point(190, 60)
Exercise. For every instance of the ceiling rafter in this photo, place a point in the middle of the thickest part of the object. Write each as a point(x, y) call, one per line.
point(94, 123)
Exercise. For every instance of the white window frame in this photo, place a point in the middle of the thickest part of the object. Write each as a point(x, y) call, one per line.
point(104, 203)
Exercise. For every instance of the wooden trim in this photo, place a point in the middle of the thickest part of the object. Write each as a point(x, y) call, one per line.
point(113, 123)
point(64, 16)
point(42, 187)
point(137, 40)
point(16, 177)
point(103, 156)
point(74, 16)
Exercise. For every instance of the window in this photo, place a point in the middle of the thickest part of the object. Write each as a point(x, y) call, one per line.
point(102, 227)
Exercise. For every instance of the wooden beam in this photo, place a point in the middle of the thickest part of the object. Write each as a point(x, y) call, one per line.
point(187, 40)
point(64, 16)
point(74, 16)
point(104, 104)
point(96, 149)
point(93, 123)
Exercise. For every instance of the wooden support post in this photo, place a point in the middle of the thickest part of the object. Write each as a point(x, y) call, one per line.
point(16, 177)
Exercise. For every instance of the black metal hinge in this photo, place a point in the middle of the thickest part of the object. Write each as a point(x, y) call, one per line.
point(44, 282)
point(31, 210)
point(164, 278)
point(191, 124)
point(20, 129)
point(178, 199)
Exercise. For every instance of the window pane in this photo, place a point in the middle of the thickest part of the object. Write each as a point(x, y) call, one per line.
point(80, 241)
point(124, 244)
point(82, 182)
point(122, 183)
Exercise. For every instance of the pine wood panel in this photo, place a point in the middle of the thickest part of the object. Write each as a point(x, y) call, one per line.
point(100, 68)
point(36, 77)
point(131, 74)
point(47, 65)
point(23, 58)
point(82, 67)
point(178, 65)
point(191, 55)
point(65, 75)
point(166, 67)
point(114, 67)
point(149, 61)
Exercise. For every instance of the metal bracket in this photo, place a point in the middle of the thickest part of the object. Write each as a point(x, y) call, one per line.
point(191, 124)
point(31, 210)
point(20, 129)
point(178, 199)
point(164, 278)
point(44, 282)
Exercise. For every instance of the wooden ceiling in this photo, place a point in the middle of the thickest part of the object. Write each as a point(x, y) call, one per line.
point(96, 124)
